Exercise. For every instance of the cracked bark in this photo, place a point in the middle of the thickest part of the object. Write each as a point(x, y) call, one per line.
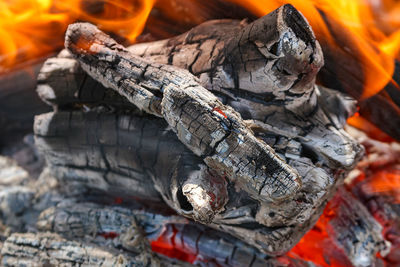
point(97, 139)
point(210, 129)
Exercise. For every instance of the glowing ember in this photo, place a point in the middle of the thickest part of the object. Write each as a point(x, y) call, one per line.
point(318, 247)
point(379, 171)
point(376, 185)
point(165, 245)
point(109, 235)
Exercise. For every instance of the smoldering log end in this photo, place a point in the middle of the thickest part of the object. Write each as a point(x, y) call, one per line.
point(77, 35)
point(81, 37)
point(298, 24)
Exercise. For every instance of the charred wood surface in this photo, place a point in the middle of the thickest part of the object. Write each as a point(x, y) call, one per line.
point(94, 220)
point(143, 157)
point(75, 231)
point(97, 139)
point(342, 71)
point(210, 129)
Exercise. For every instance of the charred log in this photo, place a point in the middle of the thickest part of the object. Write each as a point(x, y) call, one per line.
point(94, 137)
point(210, 129)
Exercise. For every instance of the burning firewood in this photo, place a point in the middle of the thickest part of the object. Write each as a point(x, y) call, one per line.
point(210, 129)
point(126, 226)
point(99, 140)
point(215, 147)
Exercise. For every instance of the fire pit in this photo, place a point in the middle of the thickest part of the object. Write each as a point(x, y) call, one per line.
point(225, 144)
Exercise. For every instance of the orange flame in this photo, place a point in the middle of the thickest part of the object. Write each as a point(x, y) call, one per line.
point(372, 28)
point(33, 28)
point(368, 128)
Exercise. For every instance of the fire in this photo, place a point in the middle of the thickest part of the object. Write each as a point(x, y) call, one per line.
point(35, 28)
point(369, 27)
point(368, 128)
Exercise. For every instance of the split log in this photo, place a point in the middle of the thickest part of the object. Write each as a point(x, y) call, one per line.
point(274, 59)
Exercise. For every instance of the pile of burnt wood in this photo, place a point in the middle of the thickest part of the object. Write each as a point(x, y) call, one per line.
point(219, 135)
